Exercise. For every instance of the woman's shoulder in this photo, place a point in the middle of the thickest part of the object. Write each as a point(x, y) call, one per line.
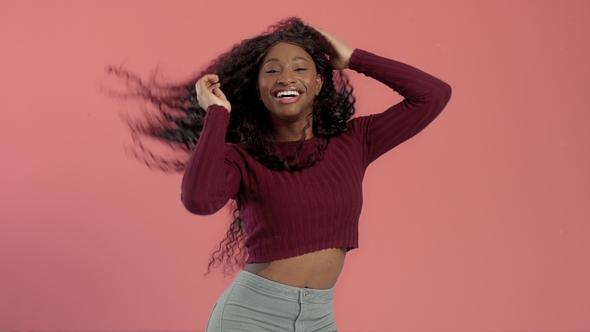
point(357, 125)
point(234, 149)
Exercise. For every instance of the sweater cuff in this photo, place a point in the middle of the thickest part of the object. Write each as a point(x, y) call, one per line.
point(217, 113)
point(357, 58)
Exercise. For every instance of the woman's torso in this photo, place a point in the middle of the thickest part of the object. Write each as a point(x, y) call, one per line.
point(317, 270)
point(295, 211)
point(292, 214)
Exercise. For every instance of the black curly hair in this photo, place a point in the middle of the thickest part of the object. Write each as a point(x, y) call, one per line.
point(177, 119)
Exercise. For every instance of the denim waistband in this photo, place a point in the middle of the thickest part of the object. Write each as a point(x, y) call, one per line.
point(288, 292)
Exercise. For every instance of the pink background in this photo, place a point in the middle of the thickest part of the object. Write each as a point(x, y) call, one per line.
point(480, 223)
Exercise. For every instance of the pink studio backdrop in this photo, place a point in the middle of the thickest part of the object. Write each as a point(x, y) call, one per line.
point(480, 223)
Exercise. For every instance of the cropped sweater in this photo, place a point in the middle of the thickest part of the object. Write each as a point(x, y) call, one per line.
point(287, 214)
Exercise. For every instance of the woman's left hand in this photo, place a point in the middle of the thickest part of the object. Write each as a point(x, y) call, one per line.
point(340, 53)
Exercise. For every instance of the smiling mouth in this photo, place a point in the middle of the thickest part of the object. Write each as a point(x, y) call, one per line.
point(290, 94)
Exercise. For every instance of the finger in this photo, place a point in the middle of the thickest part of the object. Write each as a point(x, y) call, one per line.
point(213, 86)
point(203, 88)
point(329, 38)
point(207, 80)
point(210, 78)
point(219, 94)
point(318, 29)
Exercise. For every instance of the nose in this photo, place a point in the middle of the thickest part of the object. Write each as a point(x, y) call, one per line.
point(287, 77)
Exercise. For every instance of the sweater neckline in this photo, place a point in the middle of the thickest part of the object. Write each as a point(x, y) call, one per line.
point(310, 141)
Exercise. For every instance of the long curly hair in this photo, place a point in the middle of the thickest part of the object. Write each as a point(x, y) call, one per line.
point(176, 119)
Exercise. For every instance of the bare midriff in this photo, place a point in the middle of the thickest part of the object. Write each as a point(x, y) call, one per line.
point(317, 270)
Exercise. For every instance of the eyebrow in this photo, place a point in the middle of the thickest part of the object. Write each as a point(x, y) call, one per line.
point(295, 58)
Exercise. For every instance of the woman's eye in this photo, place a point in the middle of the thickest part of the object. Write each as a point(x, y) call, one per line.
point(271, 71)
point(301, 69)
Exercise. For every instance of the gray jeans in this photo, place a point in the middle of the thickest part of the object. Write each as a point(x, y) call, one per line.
point(255, 304)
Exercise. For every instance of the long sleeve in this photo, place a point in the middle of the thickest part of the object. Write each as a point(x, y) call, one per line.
point(210, 178)
point(425, 96)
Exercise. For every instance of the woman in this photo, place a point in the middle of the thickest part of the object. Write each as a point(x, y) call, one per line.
point(276, 139)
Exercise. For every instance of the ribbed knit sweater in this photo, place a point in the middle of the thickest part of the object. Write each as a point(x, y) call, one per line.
point(287, 214)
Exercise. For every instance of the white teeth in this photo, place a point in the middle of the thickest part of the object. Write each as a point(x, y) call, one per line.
point(287, 94)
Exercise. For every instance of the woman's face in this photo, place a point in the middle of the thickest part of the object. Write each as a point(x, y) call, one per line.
point(288, 82)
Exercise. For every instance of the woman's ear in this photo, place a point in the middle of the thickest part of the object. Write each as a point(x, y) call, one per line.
point(319, 84)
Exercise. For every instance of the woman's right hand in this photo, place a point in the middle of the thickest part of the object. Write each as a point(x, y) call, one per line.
point(209, 92)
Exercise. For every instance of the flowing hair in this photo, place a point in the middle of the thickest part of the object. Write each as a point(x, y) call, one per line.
point(176, 119)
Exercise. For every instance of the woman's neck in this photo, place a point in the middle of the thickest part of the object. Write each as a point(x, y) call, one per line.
point(289, 132)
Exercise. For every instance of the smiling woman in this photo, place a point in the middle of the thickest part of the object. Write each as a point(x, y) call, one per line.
point(288, 83)
point(269, 124)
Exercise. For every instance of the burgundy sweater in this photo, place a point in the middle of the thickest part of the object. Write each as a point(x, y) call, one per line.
point(289, 214)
